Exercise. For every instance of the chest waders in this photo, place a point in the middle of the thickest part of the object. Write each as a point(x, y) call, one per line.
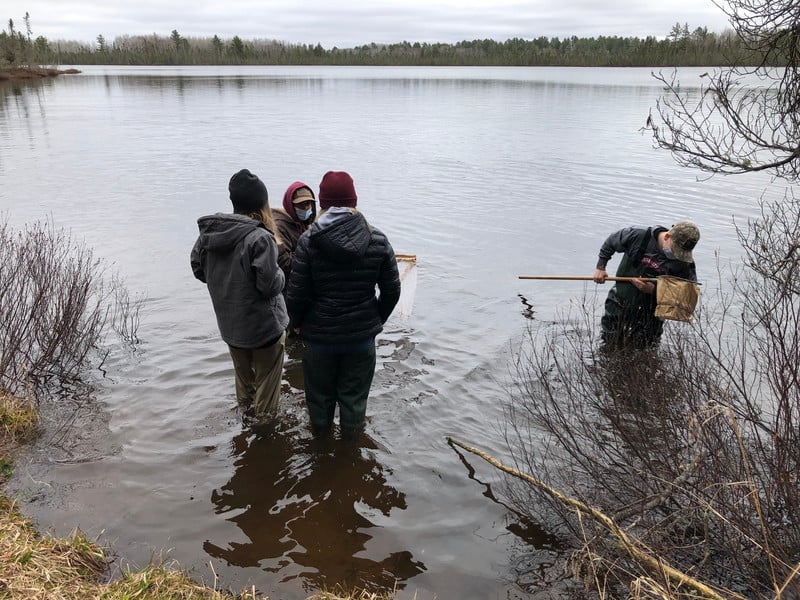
point(629, 319)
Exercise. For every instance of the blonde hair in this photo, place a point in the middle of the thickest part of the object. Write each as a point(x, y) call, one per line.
point(265, 216)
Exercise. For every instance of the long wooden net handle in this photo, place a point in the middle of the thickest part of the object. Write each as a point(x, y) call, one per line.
point(584, 278)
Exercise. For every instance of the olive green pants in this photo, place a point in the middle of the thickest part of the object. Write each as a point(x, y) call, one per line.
point(258, 376)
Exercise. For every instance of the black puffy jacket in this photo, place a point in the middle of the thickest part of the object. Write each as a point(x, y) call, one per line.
point(331, 293)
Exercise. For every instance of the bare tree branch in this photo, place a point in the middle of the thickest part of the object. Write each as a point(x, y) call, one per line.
point(632, 546)
point(742, 119)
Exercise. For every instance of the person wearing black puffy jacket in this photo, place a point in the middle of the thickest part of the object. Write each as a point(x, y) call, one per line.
point(333, 305)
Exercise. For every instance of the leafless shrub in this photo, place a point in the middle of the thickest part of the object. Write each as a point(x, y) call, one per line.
point(731, 126)
point(693, 447)
point(55, 306)
point(125, 316)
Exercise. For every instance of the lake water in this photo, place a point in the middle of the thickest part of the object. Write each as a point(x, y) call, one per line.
point(484, 173)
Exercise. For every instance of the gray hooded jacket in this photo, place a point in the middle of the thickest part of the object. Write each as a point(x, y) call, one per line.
point(237, 258)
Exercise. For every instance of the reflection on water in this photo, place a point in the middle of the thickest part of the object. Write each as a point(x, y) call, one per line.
point(528, 310)
point(537, 557)
point(306, 507)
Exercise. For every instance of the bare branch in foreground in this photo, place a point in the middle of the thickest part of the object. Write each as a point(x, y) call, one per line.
point(633, 547)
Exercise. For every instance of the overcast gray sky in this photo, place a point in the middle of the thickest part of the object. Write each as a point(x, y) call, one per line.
point(355, 23)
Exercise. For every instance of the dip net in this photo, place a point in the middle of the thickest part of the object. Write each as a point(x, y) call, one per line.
point(676, 298)
point(407, 267)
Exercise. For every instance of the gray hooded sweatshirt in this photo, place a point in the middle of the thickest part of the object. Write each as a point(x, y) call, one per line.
point(237, 258)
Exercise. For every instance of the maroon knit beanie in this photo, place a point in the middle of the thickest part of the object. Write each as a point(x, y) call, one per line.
point(337, 189)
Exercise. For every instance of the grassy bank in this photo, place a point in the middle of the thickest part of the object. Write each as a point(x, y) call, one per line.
point(33, 566)
point(41, 567)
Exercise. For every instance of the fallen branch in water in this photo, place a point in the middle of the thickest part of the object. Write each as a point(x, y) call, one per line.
point(633, 547)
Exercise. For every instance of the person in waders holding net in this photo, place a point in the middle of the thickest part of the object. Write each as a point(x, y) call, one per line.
point(630, 319)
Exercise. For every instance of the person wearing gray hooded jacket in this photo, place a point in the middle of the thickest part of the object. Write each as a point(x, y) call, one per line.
point(236, 256)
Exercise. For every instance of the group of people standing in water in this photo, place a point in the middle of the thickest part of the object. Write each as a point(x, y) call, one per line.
point(300, 270)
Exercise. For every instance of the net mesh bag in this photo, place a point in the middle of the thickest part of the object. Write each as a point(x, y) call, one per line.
point(676, 298)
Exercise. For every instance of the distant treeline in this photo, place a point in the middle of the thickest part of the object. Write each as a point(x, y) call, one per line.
point(679, 48)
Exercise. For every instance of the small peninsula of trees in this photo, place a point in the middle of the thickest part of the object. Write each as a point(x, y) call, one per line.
point(680, 47)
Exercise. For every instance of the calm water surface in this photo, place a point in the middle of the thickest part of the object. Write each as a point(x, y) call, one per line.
point(483, 173)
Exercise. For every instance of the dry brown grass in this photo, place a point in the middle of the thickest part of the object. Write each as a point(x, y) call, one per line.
point(35, 567)
point(341, 594)
point(19, 420)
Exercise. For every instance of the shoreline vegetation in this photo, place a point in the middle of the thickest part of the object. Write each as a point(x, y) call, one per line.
point(25, 58)
point(17, 73)
point(680, 47)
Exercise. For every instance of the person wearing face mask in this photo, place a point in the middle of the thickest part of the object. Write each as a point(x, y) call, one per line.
point(298, 213)
point(629, 319)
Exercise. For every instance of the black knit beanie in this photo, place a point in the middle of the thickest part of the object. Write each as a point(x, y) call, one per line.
point(248, 193)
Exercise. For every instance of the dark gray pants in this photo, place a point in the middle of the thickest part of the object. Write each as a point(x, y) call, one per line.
point(630, 326)
point(342, 378)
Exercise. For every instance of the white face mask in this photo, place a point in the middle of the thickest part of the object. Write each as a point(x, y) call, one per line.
point(304, 215)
